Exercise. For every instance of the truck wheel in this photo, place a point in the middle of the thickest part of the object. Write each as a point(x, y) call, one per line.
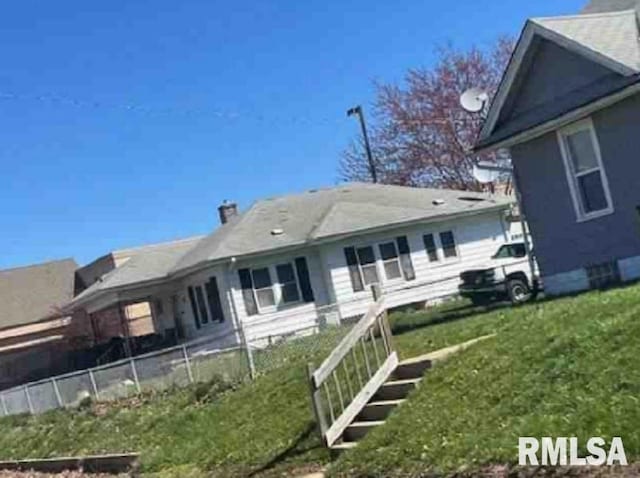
point(518, 291)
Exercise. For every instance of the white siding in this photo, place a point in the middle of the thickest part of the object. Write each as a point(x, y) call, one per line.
point(477, 238)
point(287, 319)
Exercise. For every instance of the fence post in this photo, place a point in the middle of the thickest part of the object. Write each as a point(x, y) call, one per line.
point(187, 363)
point(247, 349)
point(57, 392)
point(4, 405)
point(29, 404)
point(316, 402)
point(93, 384)
point(132, 362)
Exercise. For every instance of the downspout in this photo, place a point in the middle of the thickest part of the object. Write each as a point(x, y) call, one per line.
point(525, 229)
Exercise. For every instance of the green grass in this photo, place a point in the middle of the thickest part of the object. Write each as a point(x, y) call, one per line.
point(568, 367)
point(565, 367)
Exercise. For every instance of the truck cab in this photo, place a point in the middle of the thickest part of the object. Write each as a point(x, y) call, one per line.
point(507, 277)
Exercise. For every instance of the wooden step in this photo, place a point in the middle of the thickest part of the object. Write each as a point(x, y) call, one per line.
point(357, 430)
point(413, 368)
point(396, 389)
point(376, 411)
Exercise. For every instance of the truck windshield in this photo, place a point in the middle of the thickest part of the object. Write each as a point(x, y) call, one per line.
point(511, 250)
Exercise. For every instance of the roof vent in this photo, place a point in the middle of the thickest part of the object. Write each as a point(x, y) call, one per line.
point(438, 202)
point(277, 232)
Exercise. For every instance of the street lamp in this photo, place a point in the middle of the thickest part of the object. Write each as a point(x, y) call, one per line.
point(357, 110)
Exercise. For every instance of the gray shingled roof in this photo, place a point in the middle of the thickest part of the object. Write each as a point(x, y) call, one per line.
point(147, 263)
point(34, 293)
point(612, 34)
point(323, 214)
point(600, 6)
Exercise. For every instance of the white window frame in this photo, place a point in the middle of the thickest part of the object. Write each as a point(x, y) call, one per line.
point(276, 287)
point(582, 125)
point(376, 263)
point(434, 236)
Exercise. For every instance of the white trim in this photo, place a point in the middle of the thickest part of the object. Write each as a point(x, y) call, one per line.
point(572, 175)
point(530, 30)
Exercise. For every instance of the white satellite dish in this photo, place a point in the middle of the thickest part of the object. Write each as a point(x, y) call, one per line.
point(485, 175)
point(474, 100)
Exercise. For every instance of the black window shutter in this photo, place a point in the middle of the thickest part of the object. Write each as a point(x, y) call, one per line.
point(305, 281)
point(354, 270)
point(213, 297)
point(247, 291)
point(405, 258)
point(194, 307)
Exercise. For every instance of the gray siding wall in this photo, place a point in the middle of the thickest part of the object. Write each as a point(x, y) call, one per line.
point(553, 73)
point(562, 244)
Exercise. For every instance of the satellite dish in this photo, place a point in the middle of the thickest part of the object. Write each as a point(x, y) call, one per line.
point(474, 99)
point(485, 175)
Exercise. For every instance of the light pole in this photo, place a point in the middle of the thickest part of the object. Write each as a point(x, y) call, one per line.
point(357, 110)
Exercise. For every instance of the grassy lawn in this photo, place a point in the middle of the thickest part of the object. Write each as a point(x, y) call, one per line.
point(568, 367)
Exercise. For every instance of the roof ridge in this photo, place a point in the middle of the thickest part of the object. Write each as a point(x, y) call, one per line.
point(174, 242)
point(586, 15)
point(40, 264)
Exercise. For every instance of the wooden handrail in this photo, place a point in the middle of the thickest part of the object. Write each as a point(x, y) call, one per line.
point(364, 335)
point(347, 343)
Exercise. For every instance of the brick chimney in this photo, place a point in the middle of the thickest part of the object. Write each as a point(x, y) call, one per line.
point(227, 210)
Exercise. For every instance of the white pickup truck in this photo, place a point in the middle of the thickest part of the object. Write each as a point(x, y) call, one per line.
point(509, 276)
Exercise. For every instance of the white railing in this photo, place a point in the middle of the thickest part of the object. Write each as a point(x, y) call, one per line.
point(355, 370)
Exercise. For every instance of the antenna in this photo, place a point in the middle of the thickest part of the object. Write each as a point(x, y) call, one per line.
point(474, 100)
point(488, 172)
point(484, 176)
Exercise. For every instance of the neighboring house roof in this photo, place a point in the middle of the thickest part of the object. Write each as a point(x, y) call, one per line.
point(35, 293)
point(608, 39)
point(325, 214)
point(144, 264)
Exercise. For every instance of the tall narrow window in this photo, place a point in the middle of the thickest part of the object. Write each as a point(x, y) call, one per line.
point(390, 262)
point(263, 287)
point(448, 242)
point(202, 307)
point(213, 299)
point(430, 247)
point(585, 172)
point(368, 267)
point(288, 283)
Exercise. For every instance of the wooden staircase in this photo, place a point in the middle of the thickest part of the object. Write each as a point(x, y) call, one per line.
point(404, 379)
point(362, 381)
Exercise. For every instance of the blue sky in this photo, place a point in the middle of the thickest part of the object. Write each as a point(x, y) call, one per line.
point(128, 122)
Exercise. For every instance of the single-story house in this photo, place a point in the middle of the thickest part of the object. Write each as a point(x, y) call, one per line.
point(292, 262)
point(33, 330)
point(568, 109)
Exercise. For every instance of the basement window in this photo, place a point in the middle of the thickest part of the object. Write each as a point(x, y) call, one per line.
point(604, 275)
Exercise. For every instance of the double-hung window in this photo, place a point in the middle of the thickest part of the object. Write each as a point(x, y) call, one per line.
point(449, 247)
point(288, 284)
point(585, 171)
point(390, 260)
point(263, 287)
point(368, 266)
point(431, 248)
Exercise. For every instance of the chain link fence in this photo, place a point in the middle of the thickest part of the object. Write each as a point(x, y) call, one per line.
point(230, 357)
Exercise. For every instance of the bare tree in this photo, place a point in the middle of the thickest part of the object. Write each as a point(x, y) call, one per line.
point(420, 135)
